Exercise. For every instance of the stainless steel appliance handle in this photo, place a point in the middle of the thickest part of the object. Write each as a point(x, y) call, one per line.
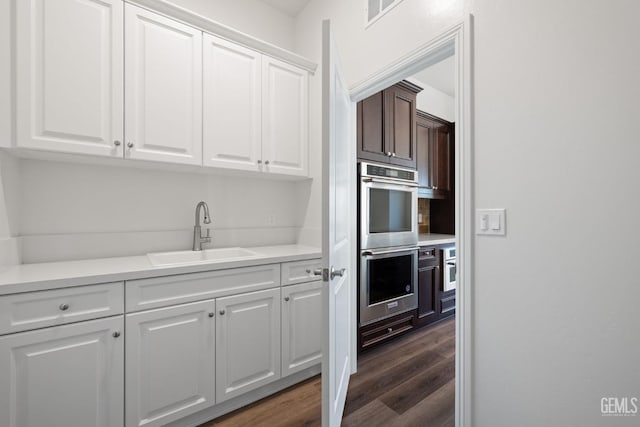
point(389, 181)
point(389, 251)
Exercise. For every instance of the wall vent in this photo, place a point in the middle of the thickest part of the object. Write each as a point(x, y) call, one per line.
point(375, 9)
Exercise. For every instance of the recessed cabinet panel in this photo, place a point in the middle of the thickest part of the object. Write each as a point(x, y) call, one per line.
point(69, 375)
point(247, 342)
point(232, 109)
point(285, 117)
point(163, 98)
point(301, 326)
point(69, 76)
point(170, 363)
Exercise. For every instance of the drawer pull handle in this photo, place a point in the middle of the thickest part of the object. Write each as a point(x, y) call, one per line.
point(211, 314)
point(222, 312)
point(389, 330)
point(64, 307)
point(116, 334)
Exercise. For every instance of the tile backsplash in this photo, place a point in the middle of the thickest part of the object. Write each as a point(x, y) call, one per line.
point(423, 216)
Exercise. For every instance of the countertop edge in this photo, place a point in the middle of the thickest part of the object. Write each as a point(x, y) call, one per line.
point(32, 277)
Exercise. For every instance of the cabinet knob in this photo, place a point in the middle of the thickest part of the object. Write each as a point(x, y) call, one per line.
point(64, 307)
point(116, 143)
point(389, 330)
point(116, 334)
point(393, 154)
point(130, 144)
point(286, 298)
point(308, 270)
point(266, 162)
point(388, 153)
point(211, 314)
point(435, 188)
point(222, 312)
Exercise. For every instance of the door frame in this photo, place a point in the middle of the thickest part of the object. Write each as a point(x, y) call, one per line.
point(457, 41)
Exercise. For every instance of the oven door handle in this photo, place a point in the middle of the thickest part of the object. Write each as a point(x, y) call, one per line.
point(390, 251)
point(389, 181)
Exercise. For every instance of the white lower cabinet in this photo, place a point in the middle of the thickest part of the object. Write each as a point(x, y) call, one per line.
point(170, 358)
point(63, 376)
point(247, 342)
point(301, 326)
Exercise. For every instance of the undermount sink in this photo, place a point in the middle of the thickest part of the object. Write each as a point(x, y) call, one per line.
point(199, 257)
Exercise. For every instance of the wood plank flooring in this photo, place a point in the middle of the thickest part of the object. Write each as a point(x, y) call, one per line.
point(405, 383)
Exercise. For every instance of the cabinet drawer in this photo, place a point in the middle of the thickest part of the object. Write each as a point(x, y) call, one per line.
point(143, 294)
point(300, 271)
point(386, 329)
point(32, 310)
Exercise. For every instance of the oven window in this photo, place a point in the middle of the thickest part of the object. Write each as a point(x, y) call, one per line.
point(390, 278)
point(389, 211)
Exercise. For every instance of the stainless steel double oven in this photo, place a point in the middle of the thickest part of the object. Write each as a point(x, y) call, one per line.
point(388, 241)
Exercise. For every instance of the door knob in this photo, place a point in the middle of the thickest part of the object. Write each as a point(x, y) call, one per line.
point(335, 272)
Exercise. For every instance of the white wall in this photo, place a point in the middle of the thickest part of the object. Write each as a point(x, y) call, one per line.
point(433, 101)
point(252, 17)
point(74, 211)
point(555, 316)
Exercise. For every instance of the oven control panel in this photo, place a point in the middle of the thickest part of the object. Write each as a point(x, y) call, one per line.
point(368, 169)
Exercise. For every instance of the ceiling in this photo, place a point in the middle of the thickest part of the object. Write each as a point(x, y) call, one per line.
point(289, 7)
point(440, 76)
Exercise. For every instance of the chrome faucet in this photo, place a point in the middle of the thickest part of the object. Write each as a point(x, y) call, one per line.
point(198, 240)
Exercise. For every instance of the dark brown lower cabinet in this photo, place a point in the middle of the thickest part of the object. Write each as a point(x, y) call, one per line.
point(434, 304)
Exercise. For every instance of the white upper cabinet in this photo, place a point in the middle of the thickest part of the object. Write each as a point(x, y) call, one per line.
point(255, 110)
point(163, 88)
point(285, 117)
point(69, 76)
point(232, 110)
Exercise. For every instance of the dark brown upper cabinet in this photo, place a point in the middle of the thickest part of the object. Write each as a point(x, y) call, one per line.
point(387, 126)
point(435, 156)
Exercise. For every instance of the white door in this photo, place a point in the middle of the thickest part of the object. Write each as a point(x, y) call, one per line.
point(69, 86)
point(247, 342)
point(170, 363)
point(63, 376)
point(232, 119)
point(338, 234)
point(301, 326)
point(163, 88)
point(285, 110)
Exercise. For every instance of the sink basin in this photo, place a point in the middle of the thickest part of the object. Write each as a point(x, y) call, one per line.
point(199, 257)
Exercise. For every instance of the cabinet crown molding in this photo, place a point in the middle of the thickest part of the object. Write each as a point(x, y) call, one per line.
point(210, 26)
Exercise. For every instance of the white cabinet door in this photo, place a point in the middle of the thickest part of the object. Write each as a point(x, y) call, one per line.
point(163, 88)
point(301, 326)
point(69, 76)
point(63, 376)
point(247, 342)
point(285, 109)
point(170, 363)
point(232, 110)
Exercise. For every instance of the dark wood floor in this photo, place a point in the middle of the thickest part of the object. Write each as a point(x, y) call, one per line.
point(407, 382)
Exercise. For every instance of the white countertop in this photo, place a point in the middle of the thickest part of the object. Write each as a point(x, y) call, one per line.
point(49, 275)
point(435, 239)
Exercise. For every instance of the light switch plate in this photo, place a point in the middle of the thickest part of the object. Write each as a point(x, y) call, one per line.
point(490, 222)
